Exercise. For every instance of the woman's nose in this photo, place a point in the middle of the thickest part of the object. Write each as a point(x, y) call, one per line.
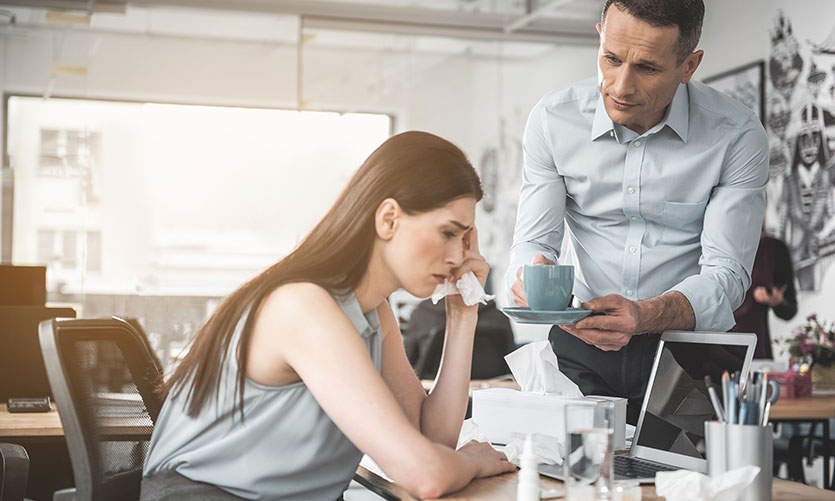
point(455, 256)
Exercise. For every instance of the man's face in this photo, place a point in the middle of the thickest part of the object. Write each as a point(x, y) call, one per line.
point(638, 69)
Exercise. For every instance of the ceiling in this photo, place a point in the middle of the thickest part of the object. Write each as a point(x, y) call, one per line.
point(524, 27)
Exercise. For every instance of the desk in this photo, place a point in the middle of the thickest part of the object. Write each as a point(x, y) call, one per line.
point(809, 410)
point(503, 487)
point(47, 425)
point(30, 424)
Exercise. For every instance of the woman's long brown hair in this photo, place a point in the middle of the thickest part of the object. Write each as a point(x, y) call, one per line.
point(421, 171)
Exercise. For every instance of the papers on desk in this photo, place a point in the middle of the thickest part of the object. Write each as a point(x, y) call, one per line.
point(119, 405)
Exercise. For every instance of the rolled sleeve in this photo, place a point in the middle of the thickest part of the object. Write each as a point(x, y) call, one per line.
point(730, 235)
point(540, 215)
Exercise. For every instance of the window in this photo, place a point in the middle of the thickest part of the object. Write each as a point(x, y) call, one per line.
point(155, 211)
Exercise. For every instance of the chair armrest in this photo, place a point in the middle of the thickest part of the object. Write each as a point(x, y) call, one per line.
point(64, 495)
point(14, 472)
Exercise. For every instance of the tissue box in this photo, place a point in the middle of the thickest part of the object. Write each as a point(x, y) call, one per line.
point(499, 412)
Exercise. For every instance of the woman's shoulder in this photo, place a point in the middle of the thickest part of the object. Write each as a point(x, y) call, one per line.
point(298, 297)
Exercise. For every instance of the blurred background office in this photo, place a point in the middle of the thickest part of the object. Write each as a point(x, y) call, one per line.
point(156, 154)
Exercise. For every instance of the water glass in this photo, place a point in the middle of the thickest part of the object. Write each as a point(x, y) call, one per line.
point(588, 469)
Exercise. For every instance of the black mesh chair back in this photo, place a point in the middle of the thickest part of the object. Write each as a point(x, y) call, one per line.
point(105, 380)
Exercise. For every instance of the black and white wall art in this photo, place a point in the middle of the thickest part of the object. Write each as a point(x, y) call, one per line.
point(800, 111)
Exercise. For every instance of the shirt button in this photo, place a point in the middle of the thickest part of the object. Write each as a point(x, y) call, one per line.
point(637, 144)
point(631, 190)
point(632, 250)
point(629, 292)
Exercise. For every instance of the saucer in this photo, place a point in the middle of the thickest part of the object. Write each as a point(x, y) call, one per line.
point(562, 317)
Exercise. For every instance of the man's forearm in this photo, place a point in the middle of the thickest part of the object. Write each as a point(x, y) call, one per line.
point(669, 311)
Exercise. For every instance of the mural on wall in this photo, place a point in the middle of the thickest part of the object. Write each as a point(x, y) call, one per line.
point(801, 127)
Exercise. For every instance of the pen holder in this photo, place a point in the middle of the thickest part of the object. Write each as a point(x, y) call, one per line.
point(732, 446)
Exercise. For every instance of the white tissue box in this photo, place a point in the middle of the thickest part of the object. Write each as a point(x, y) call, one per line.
point(499, 412)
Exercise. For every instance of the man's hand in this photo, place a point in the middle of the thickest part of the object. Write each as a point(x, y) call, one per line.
point(614, 329)
point(623, 318)
point(773, 298)
point(518, 288)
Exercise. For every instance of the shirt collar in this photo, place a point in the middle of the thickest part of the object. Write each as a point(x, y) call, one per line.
point(677, 116)
point(602, 124)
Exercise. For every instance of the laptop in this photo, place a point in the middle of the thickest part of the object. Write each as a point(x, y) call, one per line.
point(670, 433)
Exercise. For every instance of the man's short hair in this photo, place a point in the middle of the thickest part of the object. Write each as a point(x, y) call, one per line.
point(686, 14)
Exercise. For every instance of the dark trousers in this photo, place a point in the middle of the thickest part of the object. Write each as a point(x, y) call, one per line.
point(623, 373)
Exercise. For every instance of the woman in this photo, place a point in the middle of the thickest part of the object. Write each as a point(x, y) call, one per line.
point(302, 369)
point(772, 288)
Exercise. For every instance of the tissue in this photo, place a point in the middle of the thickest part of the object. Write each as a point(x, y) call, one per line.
point(547, 449)
point(683, 485)
point(536, 370)
point(469, 432)
point(468, 286)
point(540, 406)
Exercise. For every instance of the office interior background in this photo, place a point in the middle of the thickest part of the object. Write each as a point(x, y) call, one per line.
point(159, 153)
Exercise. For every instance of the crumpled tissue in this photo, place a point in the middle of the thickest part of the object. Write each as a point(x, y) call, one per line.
point(469, 432)
point(535, 368)
point(468, 286)
point(546, 448)
point(683, 485)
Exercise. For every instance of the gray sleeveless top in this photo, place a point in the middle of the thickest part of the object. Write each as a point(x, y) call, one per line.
point(286, 448)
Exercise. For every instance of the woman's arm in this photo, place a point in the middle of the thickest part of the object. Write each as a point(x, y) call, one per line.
point(439, 415)
point(301, 330)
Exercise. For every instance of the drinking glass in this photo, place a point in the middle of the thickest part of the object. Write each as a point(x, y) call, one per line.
point(588, 451)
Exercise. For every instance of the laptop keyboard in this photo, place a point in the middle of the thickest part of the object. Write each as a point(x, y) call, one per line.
point(632, 467)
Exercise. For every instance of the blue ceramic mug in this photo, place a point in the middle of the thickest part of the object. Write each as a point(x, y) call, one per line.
point(548, 287)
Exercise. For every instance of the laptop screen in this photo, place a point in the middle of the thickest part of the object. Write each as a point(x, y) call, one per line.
point(678, 402)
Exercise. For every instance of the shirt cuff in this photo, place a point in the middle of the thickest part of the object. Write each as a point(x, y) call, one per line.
point(520, 255)
point(710, 304)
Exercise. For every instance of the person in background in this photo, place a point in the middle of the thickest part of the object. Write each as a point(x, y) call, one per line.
point(660, 180)
point(302, 369)
point(772, 288)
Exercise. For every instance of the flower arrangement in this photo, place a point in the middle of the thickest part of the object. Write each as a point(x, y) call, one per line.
point(814, 338)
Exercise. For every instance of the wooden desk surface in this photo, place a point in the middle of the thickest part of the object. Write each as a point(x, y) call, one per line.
point(804, 408)
point(30, 424)
point(48, 424)
point(503, 487)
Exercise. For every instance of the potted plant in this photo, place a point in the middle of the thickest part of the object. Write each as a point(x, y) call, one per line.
point(816, 339)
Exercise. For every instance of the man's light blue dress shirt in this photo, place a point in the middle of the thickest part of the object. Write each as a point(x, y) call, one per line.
point(678, 207)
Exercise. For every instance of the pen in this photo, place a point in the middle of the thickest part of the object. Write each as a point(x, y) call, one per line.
point(726, 394)
point(763, 397)
point(714, 400)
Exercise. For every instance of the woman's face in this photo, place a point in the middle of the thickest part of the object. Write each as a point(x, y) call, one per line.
point(427, 247)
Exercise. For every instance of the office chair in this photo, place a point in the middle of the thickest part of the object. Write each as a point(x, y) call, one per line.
point(490, 345)
point(105, 381)
point(14, 472)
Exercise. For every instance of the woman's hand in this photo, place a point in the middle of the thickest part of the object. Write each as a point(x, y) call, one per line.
point(485, 460)
point(473, 261)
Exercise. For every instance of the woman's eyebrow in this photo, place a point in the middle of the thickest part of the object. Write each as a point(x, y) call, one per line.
point(460, 225)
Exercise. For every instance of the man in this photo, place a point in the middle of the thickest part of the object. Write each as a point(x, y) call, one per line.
point(661, 182)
